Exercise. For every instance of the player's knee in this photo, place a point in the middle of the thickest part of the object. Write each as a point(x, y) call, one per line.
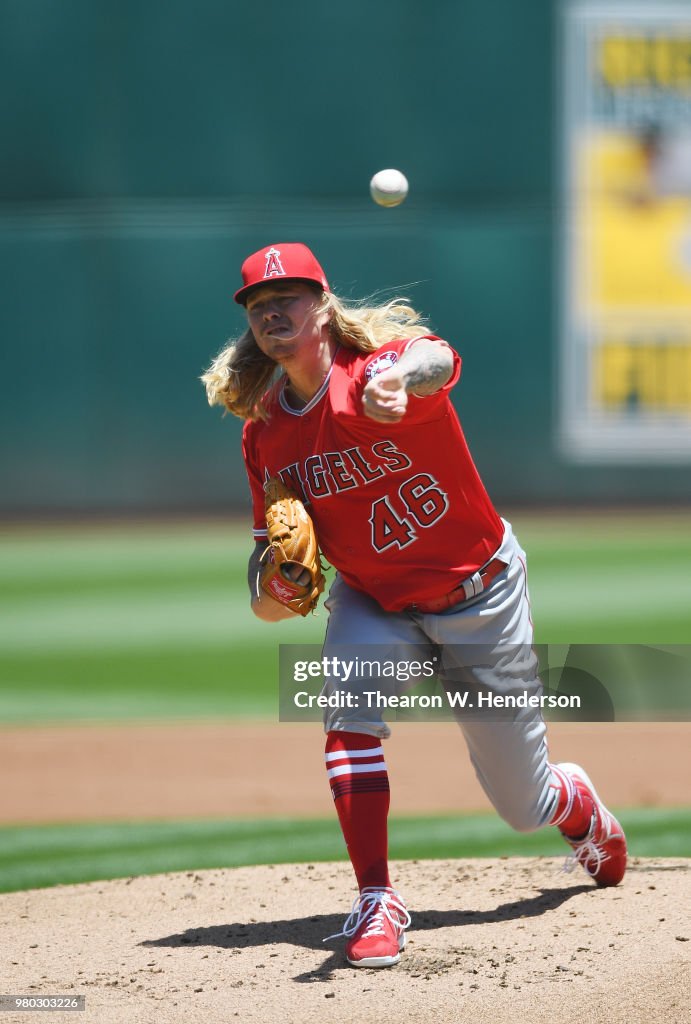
point(336, 721)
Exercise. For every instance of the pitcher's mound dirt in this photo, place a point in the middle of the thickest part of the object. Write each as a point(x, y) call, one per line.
point(492, 941)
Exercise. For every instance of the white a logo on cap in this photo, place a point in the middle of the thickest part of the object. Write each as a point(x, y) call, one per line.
point(274, 267)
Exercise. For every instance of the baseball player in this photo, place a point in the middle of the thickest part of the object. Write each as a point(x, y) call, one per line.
point(348, 413)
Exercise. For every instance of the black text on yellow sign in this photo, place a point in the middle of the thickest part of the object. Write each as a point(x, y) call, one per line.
point(654, 376)
point(645, 60)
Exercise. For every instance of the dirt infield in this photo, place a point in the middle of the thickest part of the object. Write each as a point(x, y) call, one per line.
point(492, 941)
point(69, 773)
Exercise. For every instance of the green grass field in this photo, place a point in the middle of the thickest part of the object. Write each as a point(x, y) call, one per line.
point(50, 855)
point(152, 621)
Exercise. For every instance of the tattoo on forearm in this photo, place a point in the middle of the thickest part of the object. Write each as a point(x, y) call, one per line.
point(426, 368)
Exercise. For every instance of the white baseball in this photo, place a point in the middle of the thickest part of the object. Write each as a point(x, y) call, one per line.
point(389, 187)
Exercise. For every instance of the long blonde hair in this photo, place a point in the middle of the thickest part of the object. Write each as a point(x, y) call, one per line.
point(240, 377)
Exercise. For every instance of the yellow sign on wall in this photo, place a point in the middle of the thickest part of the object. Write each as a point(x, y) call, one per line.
point(637, 251)
point(625, 390)
point(652, 376)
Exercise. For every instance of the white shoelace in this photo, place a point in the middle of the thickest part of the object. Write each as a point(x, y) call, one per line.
point(587, 853)
point(376, 906)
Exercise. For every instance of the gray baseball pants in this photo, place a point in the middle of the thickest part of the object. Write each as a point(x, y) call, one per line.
point(509, 754)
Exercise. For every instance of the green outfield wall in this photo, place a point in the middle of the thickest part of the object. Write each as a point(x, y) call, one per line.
point(148, 147)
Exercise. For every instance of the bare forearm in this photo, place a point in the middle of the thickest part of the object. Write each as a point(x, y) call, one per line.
point(423, 369)
point(426, 367)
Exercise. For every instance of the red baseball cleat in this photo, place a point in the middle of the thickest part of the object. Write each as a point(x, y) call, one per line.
point(602, 850)
point(375, 928)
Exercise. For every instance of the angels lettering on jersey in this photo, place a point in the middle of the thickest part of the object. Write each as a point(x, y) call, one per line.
point(328, 473)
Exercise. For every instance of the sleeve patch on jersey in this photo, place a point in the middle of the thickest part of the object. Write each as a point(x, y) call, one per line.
point(382, 362)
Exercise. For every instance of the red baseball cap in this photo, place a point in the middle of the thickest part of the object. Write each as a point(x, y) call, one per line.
point(283, 261)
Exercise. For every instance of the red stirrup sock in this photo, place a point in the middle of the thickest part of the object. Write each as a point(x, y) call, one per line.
point(360, 786)
point(574, 811)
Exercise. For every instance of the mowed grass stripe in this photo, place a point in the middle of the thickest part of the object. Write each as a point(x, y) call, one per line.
point(46, 707)
point(234, 680)
point(203, 552)
point(190, 617)
point(601, 529)
point(195, 617)
point(55, 553)
point(148, 613)
point(156, 579)
point(583, 596)
point(50, 855)
point(155, 620)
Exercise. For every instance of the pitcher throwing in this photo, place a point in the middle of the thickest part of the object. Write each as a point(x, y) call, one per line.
point(347, 405)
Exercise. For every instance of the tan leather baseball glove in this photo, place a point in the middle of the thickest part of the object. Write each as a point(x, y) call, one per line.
point(292, 541)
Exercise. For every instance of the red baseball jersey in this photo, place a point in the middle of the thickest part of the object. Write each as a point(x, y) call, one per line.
point(399, 509)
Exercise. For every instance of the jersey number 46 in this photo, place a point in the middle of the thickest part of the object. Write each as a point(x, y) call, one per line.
point(421, 503)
